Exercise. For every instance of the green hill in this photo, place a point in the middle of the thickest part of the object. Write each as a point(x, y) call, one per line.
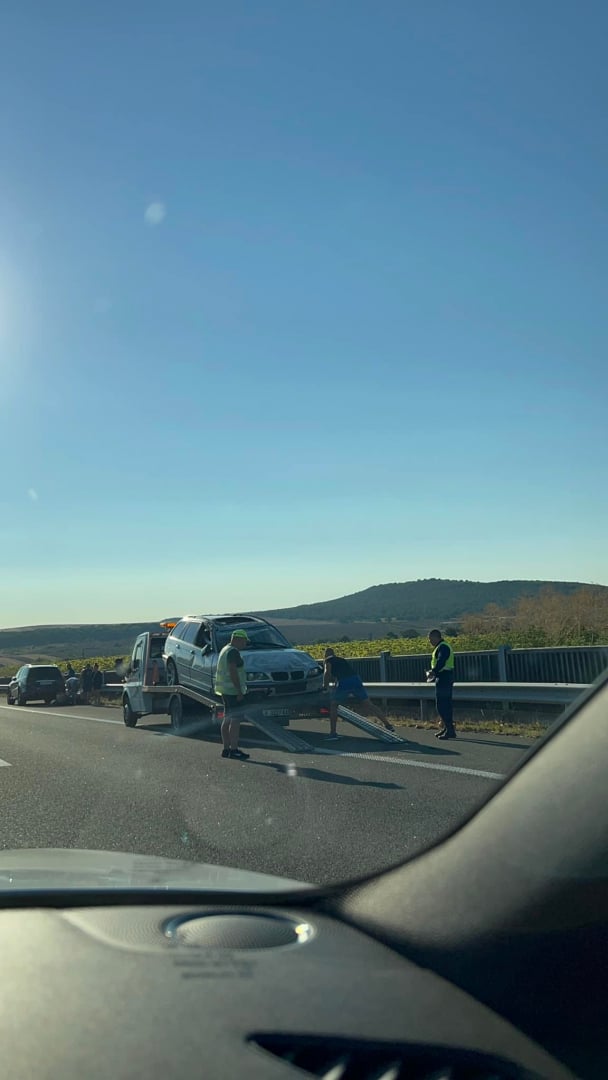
point(424, 601)
point(416, 604)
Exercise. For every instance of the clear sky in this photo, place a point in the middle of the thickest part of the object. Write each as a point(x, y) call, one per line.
point(298, 297)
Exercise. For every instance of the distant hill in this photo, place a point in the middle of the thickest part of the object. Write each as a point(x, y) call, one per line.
point(413, 604)
point(425, 601)
point(71, 642)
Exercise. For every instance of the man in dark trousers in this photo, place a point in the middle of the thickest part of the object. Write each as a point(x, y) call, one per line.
point(347, 686)
point(96, 684)
point(441, 673)
point(86, 683)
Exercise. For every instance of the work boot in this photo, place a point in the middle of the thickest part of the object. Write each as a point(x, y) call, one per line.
point(447, 733)
point(240, 755)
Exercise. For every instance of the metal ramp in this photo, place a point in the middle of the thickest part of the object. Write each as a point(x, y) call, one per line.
point(368, 726)
point(277, 733)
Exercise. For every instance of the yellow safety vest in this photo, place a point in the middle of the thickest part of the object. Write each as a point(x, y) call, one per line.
point(223, 680)
point(449, 664)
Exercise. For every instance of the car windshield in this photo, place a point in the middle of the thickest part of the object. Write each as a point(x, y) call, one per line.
point(267, 637)
point(44, 673)
point(339, 269)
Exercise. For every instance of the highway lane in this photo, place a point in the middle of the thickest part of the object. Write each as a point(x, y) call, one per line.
point(76, 777)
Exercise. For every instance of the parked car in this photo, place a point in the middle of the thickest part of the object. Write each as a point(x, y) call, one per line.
point(35, 682)
point(273, 666)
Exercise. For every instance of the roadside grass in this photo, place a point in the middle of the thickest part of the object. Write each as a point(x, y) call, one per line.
point(528, 725)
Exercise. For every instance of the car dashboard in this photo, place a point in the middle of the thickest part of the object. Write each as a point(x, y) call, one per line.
point(232, 989)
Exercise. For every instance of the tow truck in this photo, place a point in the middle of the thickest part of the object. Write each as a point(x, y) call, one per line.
point(147, 691)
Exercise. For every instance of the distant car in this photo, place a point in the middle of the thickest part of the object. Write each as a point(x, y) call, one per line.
point(274, 668)
point(35, 682)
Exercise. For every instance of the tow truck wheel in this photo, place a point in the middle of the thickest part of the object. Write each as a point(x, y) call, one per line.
point(176, 713)
point(172, 677)
point(129, 717)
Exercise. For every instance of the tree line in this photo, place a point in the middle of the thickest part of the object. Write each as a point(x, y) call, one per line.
point(577, 618)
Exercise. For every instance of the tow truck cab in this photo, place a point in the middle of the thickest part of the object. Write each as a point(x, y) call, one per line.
point(146, 669)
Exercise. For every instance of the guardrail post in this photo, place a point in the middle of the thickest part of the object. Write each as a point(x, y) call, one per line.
point(385, 671)
point(502, 671)
point(502, 662)
point(385, 666)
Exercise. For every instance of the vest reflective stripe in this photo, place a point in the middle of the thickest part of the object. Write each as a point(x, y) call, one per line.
point(223, 680)
point(449, 664)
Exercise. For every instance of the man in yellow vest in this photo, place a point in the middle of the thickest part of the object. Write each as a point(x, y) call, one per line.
point(231, 683)
point(442, 674)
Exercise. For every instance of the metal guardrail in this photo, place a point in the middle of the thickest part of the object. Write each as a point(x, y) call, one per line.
point(526, 693)
point(511, 692)
point(576, 664)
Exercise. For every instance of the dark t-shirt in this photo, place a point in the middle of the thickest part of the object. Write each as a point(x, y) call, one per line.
point(340, 668)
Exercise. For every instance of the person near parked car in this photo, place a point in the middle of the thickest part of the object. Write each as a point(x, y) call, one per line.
point(96, 684)
point(441, 672)
point(347, 690)
point(231, 683)
point(86, 683)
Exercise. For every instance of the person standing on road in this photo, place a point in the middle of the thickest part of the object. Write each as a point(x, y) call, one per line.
point(231, 683)
point(86, 683)
point(348, 685)
point(72, 684)
point(441, 673)
point(96, 684)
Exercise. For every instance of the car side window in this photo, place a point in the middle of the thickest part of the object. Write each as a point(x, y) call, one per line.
point(179, 629)
point(203, 636)
point(190, 632)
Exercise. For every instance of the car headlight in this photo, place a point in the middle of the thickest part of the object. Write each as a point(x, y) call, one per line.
point(258, 676)
point(314, 672)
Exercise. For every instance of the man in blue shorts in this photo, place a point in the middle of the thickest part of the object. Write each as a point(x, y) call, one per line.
point(348, 690)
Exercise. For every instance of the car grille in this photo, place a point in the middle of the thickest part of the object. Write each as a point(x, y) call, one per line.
point(285, 676)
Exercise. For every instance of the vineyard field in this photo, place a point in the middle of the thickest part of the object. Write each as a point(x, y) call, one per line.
point(524, 639)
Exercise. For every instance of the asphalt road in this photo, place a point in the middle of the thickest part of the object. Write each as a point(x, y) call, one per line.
point(76, 777)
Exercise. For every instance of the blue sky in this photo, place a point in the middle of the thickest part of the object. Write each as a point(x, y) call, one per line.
point(296, 298)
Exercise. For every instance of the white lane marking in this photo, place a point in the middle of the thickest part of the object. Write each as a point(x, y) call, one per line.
point(7, 763)
point(415, 764)
point(54, 712)
point(254, 742)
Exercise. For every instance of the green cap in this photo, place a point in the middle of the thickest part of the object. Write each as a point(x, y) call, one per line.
point(241, 633)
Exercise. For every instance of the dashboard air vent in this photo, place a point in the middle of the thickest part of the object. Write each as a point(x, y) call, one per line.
point(350, 1059)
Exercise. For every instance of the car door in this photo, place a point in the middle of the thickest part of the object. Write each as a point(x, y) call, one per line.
point(202, 661)
point(137, 674)
point(185, 652)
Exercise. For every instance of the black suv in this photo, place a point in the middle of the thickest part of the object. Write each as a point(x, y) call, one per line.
point(35, 682)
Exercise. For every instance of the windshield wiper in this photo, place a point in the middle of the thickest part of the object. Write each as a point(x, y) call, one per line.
point(267, 645)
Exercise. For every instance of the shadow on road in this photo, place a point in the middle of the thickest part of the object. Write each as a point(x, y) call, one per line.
point(368, 745)
point(495, 742)
point(349, 743)
point(296, 771)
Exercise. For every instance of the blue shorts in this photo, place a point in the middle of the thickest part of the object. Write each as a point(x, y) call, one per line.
point(350, 687)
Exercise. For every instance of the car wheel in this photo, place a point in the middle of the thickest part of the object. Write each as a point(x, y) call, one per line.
point(9, 700)
point(172, 676)
point(176, 713)
point(130, 718)
point(21, 698)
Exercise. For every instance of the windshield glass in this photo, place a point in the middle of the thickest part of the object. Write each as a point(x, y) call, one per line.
point(340, 269)
point(259, 636)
